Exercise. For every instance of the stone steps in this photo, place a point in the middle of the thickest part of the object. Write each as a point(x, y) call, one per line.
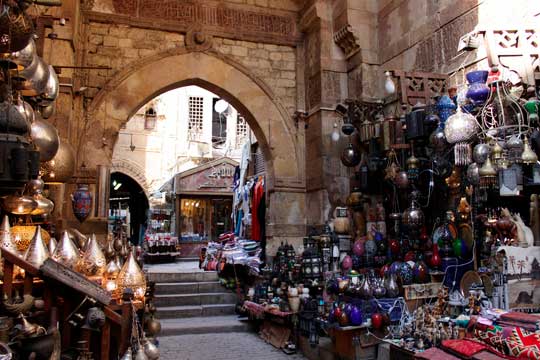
point(194, 299)
point(202, 287)
point(186, 311)
point(203, 325)
point(182, 277)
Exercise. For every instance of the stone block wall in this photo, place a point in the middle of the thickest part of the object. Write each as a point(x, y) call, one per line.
point(117, 46)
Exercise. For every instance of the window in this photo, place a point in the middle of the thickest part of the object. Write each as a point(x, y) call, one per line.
point(150, 119)
point(242, 129)
point(195, 124)
point(219, 125)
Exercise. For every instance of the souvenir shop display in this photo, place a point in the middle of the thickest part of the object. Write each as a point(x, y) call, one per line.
point(160, 247)
point(440, 255)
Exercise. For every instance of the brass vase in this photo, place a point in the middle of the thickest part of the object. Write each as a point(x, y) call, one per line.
point(66, 252)
point(37, 251)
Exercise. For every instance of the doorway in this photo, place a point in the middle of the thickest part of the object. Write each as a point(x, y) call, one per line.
point(128, 207)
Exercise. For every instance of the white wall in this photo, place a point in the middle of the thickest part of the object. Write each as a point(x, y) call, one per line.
point(165, 151)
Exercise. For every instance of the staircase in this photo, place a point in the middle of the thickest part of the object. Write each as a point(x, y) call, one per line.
point(194, 302)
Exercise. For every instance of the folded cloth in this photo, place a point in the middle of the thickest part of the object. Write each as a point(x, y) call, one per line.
point(464, 348)
point(514, 324)
point(435, 353)
point(520, 317)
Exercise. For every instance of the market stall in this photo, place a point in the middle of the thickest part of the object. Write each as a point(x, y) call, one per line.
point(436, 250)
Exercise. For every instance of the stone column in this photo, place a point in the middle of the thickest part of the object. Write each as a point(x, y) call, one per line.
point(326, 85)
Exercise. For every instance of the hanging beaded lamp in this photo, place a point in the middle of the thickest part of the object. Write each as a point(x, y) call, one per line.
point(459, 129)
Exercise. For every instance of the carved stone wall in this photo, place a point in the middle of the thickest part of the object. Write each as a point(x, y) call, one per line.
point(424, 35)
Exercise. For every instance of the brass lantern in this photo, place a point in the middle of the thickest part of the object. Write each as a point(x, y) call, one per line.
point(131, 276)
point(37, 251)
point(66, 253)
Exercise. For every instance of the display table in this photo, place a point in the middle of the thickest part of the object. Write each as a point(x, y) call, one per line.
point(352, 341)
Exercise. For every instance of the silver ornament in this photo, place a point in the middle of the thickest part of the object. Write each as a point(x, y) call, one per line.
point(481, 153)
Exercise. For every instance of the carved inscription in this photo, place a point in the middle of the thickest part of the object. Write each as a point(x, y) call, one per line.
point(187, 13)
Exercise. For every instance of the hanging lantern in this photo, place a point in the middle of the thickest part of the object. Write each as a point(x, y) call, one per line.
point(460, 128)
point(66, 252)
point(392, 132)
point(45, 137)
point(497, 153)
point(81, 202)
point(514, 147)
point(19, 205)
point(437, 140)
point(131, 276)
point(367, 131)
point(528, 156)
point(413, 217)
point(389, 86)
point(445, 108)
point(350, 156)
point(481, 152)
point(413, 167)
point(473, 174)
point(511, 180)
point(415, 122)
point(61, 168)
point(37, 251)
point(93, 261)
point(44, 205)
point(488, 174)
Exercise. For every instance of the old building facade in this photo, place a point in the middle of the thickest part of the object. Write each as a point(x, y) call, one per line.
point(284, 64)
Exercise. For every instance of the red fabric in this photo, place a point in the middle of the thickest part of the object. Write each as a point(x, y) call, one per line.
point(463, 347)
point(435, 353)
point(524, 345)
point(520, 317)
point(258, 192)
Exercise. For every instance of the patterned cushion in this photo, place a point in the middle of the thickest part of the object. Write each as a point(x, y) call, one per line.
point(493, 336)
point(465, 348)
point(524, 344)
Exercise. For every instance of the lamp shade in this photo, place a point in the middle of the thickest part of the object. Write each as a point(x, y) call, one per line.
point(131, 276)
point(37, 251)
point(66, 252)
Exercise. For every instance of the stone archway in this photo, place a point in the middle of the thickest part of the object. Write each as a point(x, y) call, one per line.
point(134, 171)
point(281, 141)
